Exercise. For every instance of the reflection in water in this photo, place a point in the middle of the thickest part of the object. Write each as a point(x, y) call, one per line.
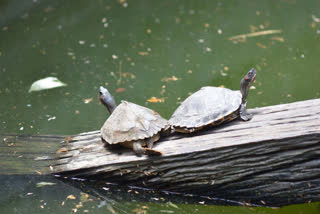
point(54, 195)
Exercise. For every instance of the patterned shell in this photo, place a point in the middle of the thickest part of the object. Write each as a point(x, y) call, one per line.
point(130, 122)
point(206, 106)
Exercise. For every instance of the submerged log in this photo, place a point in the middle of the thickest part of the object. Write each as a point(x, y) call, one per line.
point(274, 158)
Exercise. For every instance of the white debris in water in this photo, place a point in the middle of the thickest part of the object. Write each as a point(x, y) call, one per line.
point(223, 73)
point(51, 118)
point(46, 83)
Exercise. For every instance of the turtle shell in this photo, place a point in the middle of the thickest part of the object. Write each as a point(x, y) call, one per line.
point(129, 122)
point(206, 106)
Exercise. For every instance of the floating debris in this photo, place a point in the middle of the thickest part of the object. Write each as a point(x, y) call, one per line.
point(260, 45)
point(277, 38)
point(43, 183)
point(155, 100)
point(46, 83)
point(315, 19)
point(88, 100)
point(143, 53)
point(167, 79)
point(119, 90)
point(71, 197)
point(254, 34)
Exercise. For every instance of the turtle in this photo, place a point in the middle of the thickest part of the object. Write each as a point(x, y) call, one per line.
point(131, 125)
point(211, 106)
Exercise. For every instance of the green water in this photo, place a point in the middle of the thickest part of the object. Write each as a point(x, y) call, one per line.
point(163, 49)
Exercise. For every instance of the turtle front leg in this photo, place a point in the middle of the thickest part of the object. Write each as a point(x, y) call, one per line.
point(137, 147)
point(244, 115)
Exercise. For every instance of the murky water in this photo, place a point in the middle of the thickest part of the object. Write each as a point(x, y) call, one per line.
point(143, 50)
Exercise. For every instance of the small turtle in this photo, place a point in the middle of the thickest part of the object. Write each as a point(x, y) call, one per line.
point(211, 106)
point(131, 125)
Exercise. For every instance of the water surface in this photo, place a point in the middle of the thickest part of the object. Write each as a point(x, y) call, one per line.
point(139, 50)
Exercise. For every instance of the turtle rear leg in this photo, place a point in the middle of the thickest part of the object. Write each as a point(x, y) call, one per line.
point(139, 150)
point(151, 140)
point(244, 115)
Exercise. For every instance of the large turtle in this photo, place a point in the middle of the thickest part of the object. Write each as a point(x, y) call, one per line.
point(131, 125)
point(211, 106)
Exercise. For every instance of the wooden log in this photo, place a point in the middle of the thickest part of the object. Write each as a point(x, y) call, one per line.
point(25, 154)
point(274, 158)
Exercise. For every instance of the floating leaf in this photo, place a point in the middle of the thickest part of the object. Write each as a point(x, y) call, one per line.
point(128, 74)
point(46, 83)
point(155, 100)
point(119, 90)
point(86, 101)
point(71, 197)
point(143, 53)
point(42, 184)
point(167, 79)
point(277, 38)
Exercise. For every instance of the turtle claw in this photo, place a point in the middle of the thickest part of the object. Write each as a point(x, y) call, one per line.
point(246, 117)
point(152, 152)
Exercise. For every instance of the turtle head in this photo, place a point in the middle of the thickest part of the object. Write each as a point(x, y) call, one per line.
point(107, 99)
point(246, 82)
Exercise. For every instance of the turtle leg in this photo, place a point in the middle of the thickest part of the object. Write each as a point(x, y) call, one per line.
point(137, 147)
point(150, 142)
point(244, 115)
point(139, 150)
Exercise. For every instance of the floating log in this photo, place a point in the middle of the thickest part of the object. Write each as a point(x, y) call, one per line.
point(274, 158)
point(26, 154)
